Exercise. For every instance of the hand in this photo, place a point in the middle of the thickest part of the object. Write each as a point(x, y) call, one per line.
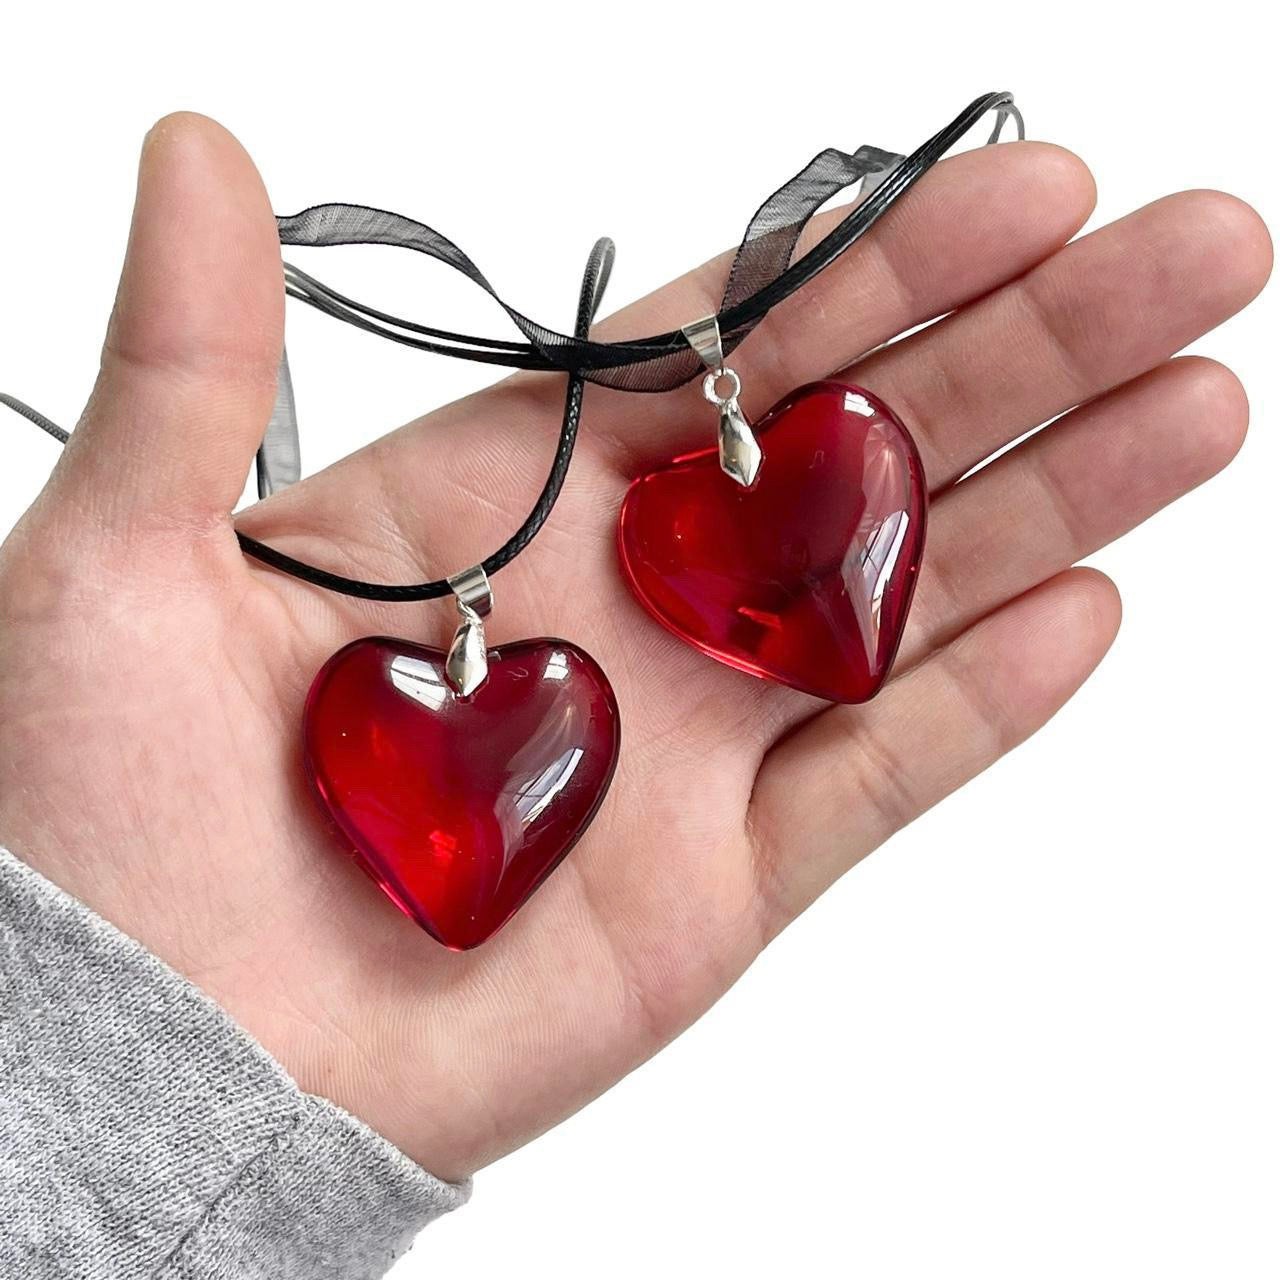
point(152, 678)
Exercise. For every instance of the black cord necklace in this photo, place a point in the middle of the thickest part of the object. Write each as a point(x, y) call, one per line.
point(594, 281)
point(461, 778)
point(761, 276)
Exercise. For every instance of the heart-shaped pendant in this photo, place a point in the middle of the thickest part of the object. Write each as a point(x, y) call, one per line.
point(461, 806)
point(806, 576)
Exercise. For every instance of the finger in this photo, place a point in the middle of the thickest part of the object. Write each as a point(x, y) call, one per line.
point(975, 221)
point(1096, 314)
point(849, 779)
point(189, 364)
point(1070, 490)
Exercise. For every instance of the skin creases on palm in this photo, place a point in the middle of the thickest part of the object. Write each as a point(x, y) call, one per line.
point(152, 679)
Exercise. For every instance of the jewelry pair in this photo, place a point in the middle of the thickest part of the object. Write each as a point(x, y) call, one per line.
point(788, 551)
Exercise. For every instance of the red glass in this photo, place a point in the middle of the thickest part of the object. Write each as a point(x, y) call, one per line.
point(461, 807)
point(806, 577)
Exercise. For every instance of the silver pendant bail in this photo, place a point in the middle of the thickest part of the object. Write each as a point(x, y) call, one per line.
point(704, 337)
point(740, 454)
point(466, 667)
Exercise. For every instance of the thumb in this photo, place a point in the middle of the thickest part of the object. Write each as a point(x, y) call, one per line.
point(189, 365)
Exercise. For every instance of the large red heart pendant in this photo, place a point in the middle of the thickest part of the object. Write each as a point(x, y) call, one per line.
point(807, 576)
point(461, 807)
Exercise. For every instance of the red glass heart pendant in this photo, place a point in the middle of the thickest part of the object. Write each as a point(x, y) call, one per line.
point(461, 807)
point(806, 577)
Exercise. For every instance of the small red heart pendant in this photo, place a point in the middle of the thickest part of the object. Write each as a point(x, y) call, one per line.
point(807, 576)
point(461, 807)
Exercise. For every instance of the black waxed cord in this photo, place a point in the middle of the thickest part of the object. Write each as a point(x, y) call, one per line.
point(309, 289)
point(657, 363)
point(552, 352)
point(594, 280)
point(33, 415)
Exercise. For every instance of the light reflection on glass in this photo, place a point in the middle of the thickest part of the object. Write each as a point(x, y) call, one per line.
point(420, 681)
point(867, 581)
point(534, 795)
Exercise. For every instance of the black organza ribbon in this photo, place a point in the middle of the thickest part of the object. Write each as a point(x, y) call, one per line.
point(761, 276)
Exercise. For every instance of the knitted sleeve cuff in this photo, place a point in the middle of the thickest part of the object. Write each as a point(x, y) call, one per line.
point(144, 1134)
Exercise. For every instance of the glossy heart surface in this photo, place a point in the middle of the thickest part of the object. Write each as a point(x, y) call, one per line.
point(805, 578)
point(460, 807)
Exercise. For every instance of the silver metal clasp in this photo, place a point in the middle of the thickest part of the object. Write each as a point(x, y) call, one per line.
point(740, 454)
point(467, 665)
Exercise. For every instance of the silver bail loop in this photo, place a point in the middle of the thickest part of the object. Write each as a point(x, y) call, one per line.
point(704, 337)
point(466, 667)
point(740, 455)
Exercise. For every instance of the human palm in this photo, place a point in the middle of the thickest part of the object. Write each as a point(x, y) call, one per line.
point(152, 678)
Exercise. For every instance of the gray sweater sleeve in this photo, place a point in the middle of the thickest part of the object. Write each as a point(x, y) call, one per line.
point(144, 1134)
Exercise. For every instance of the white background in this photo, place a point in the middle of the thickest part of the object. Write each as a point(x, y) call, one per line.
point(1037, 1034)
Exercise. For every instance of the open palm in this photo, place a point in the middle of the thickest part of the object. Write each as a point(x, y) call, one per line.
point(152, 679)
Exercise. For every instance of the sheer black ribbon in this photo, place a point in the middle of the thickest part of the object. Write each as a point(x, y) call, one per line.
point(595, 278)
point(762, 275)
